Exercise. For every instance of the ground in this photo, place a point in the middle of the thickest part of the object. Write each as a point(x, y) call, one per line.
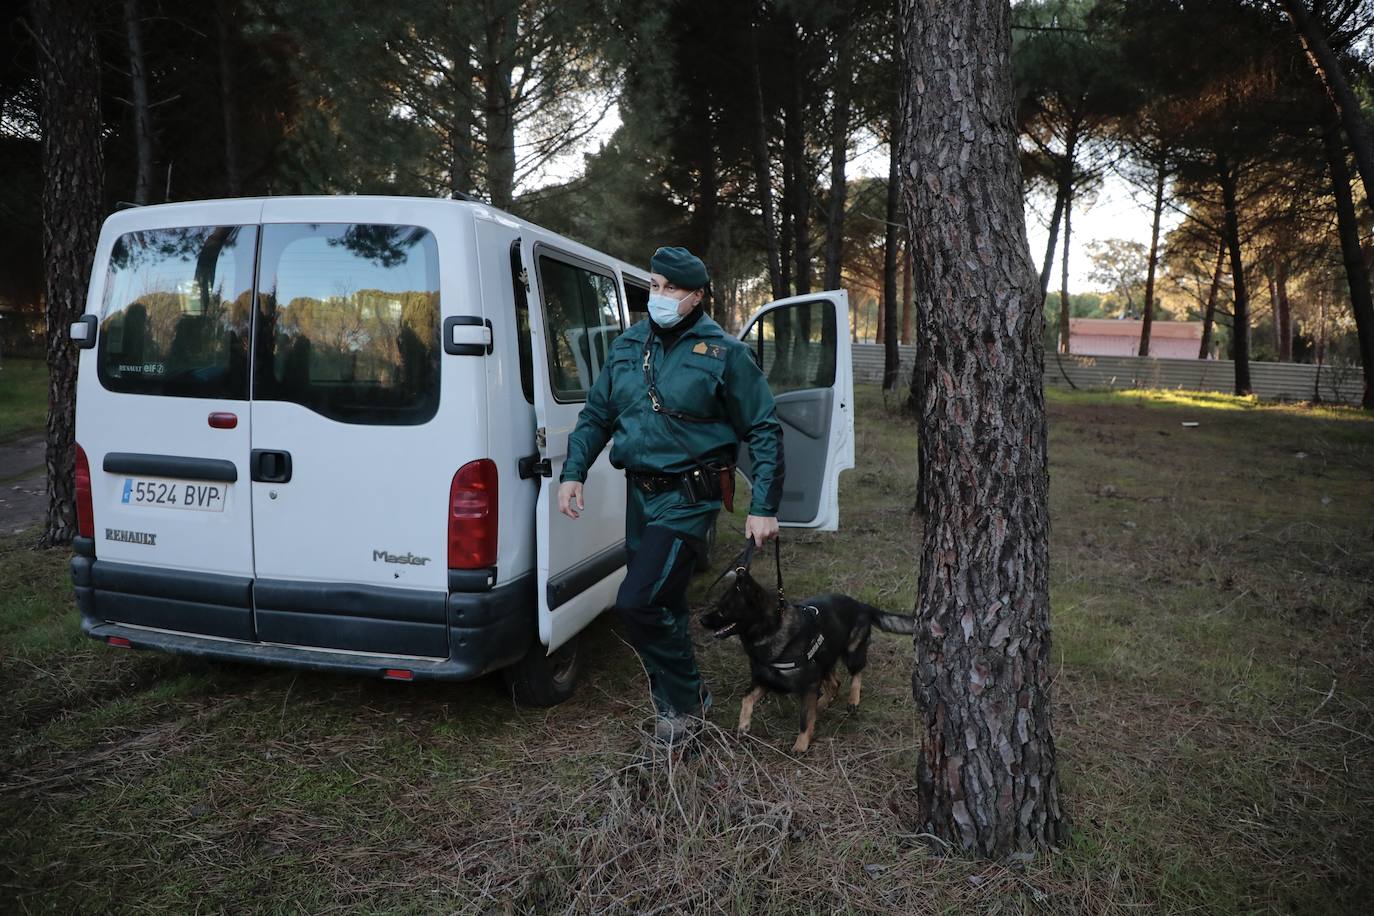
point(1213, 592)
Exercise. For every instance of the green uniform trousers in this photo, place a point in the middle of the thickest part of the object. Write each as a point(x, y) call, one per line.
point(663, 537)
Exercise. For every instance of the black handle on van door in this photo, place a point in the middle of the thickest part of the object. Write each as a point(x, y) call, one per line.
point(270, 467)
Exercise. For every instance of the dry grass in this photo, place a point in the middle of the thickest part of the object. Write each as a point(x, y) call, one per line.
point(1213, 711)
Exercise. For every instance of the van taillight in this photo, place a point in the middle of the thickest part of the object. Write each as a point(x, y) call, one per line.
point(85, 512)
point(472, 516)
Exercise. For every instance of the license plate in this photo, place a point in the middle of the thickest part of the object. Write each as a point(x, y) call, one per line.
point(174, 494)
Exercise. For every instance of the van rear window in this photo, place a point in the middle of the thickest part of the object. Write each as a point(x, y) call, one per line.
point(348, 321)
point(176, 312)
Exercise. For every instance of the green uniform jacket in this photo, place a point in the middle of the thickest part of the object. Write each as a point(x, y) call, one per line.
point(706, 373)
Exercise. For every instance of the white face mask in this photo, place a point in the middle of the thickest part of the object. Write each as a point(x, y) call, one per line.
point(664, 309)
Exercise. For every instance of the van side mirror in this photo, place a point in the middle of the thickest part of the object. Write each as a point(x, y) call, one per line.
point(83, 332)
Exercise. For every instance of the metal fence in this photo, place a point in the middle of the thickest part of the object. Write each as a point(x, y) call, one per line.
point(1340, 383)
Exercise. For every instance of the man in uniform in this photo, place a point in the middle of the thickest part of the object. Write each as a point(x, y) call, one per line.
point(678, 395)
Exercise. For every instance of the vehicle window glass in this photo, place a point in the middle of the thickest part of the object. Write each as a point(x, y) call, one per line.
point(176, 312)
point(581, 318)
point(522, 324)
point(795, 346)
point(348, 321)
point(637, 298)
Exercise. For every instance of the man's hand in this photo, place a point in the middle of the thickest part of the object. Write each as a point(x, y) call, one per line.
point(570, 490)
point(760, 528)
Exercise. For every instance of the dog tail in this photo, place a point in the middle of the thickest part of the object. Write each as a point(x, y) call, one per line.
point(891, 623)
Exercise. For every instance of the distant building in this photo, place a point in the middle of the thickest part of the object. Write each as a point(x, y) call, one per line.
point(1121, 337)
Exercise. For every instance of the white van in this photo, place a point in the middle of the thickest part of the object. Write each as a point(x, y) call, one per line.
point(316, 432)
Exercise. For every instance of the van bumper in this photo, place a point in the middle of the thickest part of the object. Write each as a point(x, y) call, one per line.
point(487, 630)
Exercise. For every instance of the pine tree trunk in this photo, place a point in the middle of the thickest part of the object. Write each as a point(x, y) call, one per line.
point(1283, 314)
point(73, 191)
point(1149, 309)
point(986, 774)
point(498, 107)
point(1047, 265)
point(1356, 271)
point(1210, 312)
point(1240, 325)
point(906, 290)
point(794, 151)
point(839, 152)
point(143, 117)
point(1312, 35)
point(1064, 274)
point(887, 316)
point(226, 33)
point(763, 172)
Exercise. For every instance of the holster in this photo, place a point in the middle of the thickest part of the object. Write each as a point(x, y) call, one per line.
point(711, 482)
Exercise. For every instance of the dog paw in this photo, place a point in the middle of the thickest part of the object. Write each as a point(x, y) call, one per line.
point(853, 708)
point(801, 747)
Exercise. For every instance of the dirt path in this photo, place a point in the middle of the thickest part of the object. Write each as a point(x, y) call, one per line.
point(22, 484)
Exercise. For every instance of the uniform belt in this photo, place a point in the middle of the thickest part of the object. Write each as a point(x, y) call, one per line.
point(697, 484)
point(654, 482)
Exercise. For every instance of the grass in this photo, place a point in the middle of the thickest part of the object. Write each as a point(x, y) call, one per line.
point(23, 397)
point(1213, 596)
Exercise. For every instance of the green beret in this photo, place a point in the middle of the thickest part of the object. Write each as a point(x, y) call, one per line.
point(682, 268)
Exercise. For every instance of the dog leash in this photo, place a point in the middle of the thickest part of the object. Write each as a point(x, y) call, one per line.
point(745, 557)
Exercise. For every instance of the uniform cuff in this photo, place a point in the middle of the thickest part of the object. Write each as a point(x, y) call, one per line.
point(571, 477)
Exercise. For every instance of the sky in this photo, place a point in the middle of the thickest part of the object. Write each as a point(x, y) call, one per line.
point(1116, 210)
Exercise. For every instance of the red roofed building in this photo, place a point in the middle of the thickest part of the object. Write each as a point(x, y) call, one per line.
point(1121, 337)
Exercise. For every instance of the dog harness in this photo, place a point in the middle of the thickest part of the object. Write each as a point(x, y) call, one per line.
point(810, 651)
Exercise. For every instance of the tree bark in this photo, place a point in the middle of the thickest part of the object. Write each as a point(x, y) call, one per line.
point(227, 32)
point(1064, 272)
point(73, 189)
point(763, 172)
point(142, 110)
point(1240, 325)
point(1356, 271)
point(1148, 312)
point(1210, 312)
point(986, 774)
point(839, 153)
point(1311, 34)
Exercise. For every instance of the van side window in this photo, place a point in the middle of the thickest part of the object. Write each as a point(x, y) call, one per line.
point(581, 317)
point(795, 346)
point(522, 323)
point(176, 312)
point(348, 321)
point(637, 298)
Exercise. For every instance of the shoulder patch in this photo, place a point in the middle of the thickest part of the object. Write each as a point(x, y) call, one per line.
point(714, 351)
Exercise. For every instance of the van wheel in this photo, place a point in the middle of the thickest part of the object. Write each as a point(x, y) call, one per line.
point(539, 679)
point(704, 558)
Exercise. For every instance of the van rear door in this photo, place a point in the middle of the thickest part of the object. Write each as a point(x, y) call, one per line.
point(575, 312)
point(164, 421)
point(352, 459)
point(802, 345)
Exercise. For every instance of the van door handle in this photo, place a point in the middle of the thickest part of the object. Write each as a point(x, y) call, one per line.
point(269, 466)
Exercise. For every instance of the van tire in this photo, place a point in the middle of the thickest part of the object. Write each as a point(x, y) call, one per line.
point(539, 679)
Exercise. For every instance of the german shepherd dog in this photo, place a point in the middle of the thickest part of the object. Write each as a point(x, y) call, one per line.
point(794, 648)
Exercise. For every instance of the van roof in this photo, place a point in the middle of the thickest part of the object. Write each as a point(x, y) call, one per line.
point(133, 215)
